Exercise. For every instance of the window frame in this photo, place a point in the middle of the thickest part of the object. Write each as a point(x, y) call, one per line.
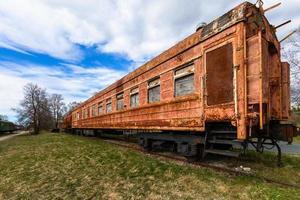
point(100, 104)
point(149, 87)
point(108, 102)
point(182, 75)
point(93, 110)
point(85, 113)
point(120, 96)
point(133, 92)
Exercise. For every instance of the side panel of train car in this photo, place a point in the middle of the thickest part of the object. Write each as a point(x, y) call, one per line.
point(227, 76)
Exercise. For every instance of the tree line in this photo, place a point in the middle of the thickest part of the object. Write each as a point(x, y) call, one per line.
point(39, 110)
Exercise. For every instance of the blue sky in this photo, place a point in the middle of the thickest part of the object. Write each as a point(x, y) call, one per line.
point(77, 47)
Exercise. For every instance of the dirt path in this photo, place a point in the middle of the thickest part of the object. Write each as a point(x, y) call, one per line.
point(12, 135)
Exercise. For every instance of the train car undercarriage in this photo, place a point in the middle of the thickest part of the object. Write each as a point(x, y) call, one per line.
point(219, 139)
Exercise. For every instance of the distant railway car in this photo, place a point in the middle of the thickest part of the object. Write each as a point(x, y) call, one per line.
point(6, 126)
point(223, 84)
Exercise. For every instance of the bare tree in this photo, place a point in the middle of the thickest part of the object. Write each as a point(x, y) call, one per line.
point(57, 107)
point(72, 105)
point(291, 52)
point(34, 109)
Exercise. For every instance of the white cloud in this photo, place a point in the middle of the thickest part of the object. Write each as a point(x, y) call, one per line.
point(75, 83)
point(11, 93)
point(137, 29)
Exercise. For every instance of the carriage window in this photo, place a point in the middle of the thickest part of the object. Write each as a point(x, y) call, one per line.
point(108, 105)
point(134, 97)
point(93, 110)
point(219, 81)
point(154, 91)
point(184, 80)
point(120, 101)
point(85, 114)
point(100, 108)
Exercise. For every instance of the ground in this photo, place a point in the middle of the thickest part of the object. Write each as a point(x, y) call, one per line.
point(9, 135)
point(297, 139)
point(49, 166)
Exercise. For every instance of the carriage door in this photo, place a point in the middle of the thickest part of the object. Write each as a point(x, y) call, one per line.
point(219, 76)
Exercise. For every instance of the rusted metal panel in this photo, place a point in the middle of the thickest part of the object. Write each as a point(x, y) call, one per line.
point(241, 87)
point(253, 73)
point(167, 91)
point(285, 82)
point(220, 113)
point(235, 15)
point(179, 115)
point(219, 80)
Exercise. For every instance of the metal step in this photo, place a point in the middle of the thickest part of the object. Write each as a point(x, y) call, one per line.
point(223, 152)
point(223, 132)
point(220, 141)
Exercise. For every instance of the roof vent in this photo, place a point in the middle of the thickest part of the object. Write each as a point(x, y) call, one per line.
point(200, 26)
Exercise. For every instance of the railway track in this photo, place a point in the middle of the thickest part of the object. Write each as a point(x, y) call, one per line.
point(134, 146)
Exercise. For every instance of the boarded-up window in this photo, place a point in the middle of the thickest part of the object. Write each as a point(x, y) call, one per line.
point(134, 97)
point(100, 108)
point(184, 80)
point(108, 105)
point(154, 91)
point(219, 80)
point(120, 101)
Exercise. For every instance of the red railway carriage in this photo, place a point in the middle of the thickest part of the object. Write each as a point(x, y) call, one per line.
point(66, 124)
point(221, 84)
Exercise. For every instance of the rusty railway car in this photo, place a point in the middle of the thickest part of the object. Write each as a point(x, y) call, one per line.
point(223, 84)
point(66, 124)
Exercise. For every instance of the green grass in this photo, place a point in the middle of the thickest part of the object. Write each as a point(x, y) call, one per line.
point(60, 166)
point(265, 165)
point(297, 139)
